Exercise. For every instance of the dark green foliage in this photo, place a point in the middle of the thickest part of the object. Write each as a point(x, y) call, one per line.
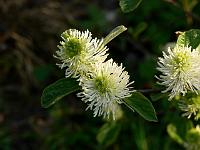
point(58, 90)
point(108, 133)
point(141, 105)
point(189, 38)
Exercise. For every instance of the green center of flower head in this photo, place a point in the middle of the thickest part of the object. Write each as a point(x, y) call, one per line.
point(73, 47)
point(181, 61)
point(102, 85)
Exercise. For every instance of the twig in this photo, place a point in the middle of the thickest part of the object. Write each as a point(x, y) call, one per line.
point(149, 90)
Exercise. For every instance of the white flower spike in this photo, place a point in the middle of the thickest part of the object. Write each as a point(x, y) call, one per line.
point(105, 88)
point(78, 51)
point(180, 68)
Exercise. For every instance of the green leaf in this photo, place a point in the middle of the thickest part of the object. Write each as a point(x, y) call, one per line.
point(190, 38)
point(108, 133)
point(141, 105)
point(129, 5)
point(158, 96)
point(140, 138)
point(58, 90)
point(114, 33)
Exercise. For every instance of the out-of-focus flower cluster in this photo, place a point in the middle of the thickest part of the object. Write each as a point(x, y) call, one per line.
point(191, 106)
point(188, 136)
point(193, 139)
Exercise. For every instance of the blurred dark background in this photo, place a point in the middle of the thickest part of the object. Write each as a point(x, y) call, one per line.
point(29, 34)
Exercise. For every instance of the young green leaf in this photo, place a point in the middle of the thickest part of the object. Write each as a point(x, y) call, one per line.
point(114, 33)
point(198, 48)
point(171, 129)
point(58, 90)
point(108, 133)
point(129, 5)
point(190, 38)
point(141, 105)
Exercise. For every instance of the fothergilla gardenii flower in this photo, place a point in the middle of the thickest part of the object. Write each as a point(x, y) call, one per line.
point(78, 51)
point(180, 68)
point(105, 88)
point(190, 106)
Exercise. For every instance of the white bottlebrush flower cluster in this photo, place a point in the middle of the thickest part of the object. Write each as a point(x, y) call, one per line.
point(106, 87)
point(104, 83)
point(78, 51)
point(180, 68)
